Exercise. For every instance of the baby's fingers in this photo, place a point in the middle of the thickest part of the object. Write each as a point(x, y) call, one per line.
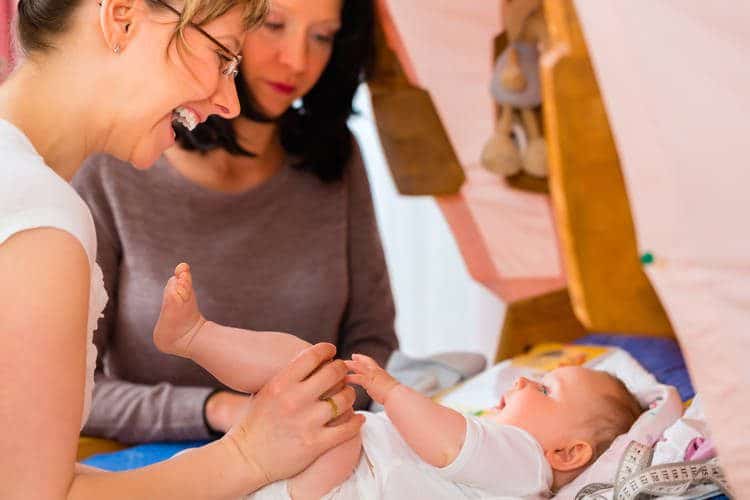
point(356, 366)
point(356, 379)
point(365, 360)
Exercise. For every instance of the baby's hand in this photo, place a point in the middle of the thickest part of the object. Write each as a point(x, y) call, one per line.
point(368, 374)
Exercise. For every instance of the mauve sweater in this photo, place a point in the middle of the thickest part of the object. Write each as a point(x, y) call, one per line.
point(293, 254)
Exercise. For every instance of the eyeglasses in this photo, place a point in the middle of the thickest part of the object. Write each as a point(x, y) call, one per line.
point(230, 60)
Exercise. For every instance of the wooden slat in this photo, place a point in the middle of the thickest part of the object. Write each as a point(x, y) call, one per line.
point(608, 287)
point(416, 145)
point(88, 446)
point(546, 318)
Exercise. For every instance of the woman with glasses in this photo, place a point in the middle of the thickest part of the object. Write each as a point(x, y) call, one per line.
point(272, 210)
point(113, 76)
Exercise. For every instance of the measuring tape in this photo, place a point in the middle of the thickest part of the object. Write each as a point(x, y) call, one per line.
point(635, 477)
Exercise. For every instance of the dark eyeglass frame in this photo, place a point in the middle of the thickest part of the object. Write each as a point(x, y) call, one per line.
point(233, 60)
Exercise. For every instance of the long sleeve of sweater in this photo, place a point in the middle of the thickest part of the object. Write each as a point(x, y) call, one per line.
point(369, 322)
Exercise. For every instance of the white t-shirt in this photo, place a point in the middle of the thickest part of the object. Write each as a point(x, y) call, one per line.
point(32, 196)
point(495, 462)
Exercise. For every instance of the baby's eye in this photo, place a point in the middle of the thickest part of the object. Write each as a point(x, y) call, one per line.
point(543, 389)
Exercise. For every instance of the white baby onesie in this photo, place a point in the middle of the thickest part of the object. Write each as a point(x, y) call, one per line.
point(495, 462)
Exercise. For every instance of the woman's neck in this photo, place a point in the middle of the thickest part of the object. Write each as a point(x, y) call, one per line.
point(228, 173)
point(58, 124)
point(261, 138)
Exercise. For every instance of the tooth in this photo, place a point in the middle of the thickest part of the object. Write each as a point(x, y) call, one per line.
point(185, 117)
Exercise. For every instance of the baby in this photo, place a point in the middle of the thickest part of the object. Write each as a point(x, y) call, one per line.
point(540, 436)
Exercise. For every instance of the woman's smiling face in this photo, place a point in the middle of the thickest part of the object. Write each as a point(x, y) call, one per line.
point(176, 78)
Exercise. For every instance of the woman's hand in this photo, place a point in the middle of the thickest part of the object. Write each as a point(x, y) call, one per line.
point(285, 428)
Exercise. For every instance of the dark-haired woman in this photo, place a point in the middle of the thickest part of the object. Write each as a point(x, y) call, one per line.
point(272, 210)
point(110, 76)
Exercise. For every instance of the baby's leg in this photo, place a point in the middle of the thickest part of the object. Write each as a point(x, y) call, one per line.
point(328, 471)
point(180, 318)
point(242, 359)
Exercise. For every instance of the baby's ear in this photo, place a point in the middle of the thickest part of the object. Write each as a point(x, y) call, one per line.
point(570, 457)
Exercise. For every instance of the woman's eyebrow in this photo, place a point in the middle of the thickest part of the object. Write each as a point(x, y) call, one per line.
point(231, 41)
point(331, 24)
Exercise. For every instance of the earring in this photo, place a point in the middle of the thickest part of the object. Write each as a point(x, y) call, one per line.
point(116, 49)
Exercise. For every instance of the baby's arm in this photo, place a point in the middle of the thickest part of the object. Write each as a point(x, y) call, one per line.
point(434, 432)
point(242, 359)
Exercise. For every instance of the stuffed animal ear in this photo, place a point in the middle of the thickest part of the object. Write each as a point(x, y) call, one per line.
point(572, 456)
point(515, 14)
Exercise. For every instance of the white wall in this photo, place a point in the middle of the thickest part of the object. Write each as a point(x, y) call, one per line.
point(439, 306)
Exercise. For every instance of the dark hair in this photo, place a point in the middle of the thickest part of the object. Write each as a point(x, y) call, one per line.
point(39, 20)
point(622, 410)
point(315, 133)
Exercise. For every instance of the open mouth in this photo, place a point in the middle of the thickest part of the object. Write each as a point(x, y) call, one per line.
point(501, 405)
point(185, 117)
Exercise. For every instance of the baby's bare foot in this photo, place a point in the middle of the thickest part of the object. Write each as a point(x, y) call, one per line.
point(179, 319)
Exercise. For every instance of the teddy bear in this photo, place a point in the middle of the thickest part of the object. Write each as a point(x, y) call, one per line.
point(517, 144)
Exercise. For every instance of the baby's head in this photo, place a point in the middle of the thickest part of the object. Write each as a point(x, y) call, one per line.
point(573, 412)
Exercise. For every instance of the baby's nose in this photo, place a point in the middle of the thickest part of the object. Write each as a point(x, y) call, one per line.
point(522, 382)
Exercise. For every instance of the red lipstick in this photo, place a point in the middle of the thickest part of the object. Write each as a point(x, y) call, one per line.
point(282, 87)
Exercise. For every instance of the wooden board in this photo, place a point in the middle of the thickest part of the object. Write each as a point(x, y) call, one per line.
point(416, 145)
point(609, 290)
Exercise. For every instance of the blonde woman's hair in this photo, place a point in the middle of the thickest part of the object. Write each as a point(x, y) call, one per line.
point(40, 21)
point(204, 11)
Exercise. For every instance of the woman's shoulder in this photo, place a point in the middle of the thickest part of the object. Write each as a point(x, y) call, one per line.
point(355, 173)
point(32, 196)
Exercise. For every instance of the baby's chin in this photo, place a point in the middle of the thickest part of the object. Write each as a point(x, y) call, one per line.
point(496, 415)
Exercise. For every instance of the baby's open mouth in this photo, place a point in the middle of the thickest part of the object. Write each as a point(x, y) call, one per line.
point(501, 405)
point(185, 117)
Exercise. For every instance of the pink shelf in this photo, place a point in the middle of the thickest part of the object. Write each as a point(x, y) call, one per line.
point(506, 236)
point(7, 7)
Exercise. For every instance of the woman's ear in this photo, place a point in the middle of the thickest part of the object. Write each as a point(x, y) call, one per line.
point(570, 457)
point(118, 20)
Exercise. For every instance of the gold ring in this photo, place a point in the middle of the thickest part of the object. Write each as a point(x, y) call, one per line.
point(334, 407)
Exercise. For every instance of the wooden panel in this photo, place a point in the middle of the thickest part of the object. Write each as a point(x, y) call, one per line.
point(416, 145)
point(547, 318)
point(608, 287)
point(88, 446)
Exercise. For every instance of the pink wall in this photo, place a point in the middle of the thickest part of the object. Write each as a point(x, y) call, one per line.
point(675, 79)
point(6, 9)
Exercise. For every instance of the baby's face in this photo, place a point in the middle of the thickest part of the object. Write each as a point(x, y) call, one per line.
point(556, 408)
